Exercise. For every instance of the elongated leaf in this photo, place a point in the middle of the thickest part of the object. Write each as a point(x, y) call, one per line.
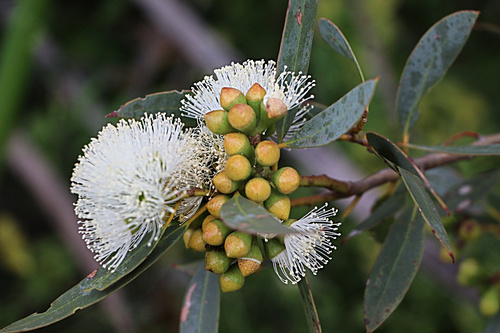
point(395, 268)
point(84, 295)
point(335, 38)
point(247, 216)
point(426, 207)
point(309, 306)
point(428, 63)
point(295, 49)
point(328, 125)
point(461, 150)
point(200, 309)
point(168, 102)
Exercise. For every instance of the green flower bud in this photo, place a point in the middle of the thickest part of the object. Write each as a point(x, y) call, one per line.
point(469, 230)
point(217, 262)
point(237, 244)
point(215, 232)
point(286, 180)
point(489, 303)
point(254, 97)
point(232, 279)
point(218, 122)
point(272, 248)
point(224, 184)
point(230, 97)
point(252, 262)
point(469, 272)
point(242, 118)
point(206, 220)
point(278, 204)
point(258, 189)
point(196, 241)
point(214, 205)
point(238, 144)
point(187, 236)
point(267, 153)
point(238, 168)
point(270, 113)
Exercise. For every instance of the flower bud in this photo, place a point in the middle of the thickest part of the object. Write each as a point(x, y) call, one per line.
point(469, 272)
point(489, 303)
point(196, 241)
point(214, 205)
point(272, 248)
point(187, 236)
point(238, 168)
point(254, 97)
point(230, 97)
point(258, 189)
point(224, 184)
point(217, 262)
point(215, 232)
point(242, 118)
point(267, 153)
point(252, 262)
point(286, 180)
point(232, 279)
point(238, 144)
point(270, 113)
point(206, 220)
point(237, 244)
point(218, 122)
point(469, 230)
point(278, 204)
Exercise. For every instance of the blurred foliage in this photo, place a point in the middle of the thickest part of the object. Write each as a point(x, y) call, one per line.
point(95, 55)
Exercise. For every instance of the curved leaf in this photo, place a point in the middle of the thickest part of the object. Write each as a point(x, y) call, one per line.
point(493, 149)
point(428, 63)
point(247, 216)
point(334, 37)
point(295, 48)
point(335, 120)
point(200, 309)
point(84, 294)
point(309, 306)
point(394, 269)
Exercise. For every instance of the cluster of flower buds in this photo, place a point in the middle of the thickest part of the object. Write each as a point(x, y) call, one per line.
point(250, 171)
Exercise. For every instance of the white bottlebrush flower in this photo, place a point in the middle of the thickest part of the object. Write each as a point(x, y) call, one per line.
point(127, 181)
point(309, 248)
point(289, 87)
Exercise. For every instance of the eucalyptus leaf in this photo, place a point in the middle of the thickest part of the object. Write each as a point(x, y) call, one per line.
point(84, 294)
point(201, 306)
point(309, 306)
point(429, 62)
point(336, 40)
point(493, 149)
point(295, 48)
point(426, 207)
point(247, 216)
point(394, 269)
point(328, 125)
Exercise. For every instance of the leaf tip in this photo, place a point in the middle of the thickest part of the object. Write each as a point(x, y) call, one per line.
point(113, 114)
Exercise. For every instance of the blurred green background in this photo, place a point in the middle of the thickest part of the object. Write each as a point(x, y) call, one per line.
point(64, 65)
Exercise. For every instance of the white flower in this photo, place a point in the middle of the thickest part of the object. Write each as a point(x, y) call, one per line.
point(128, 179)
point(289, 87)
point(309, 247)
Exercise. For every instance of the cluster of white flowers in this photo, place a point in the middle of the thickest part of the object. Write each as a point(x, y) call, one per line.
point(131, 177)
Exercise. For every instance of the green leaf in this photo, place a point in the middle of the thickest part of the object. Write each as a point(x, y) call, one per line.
point(334, 37)
point(200, 309)
point(295, 48)
point(493, 149)
point(428, 63)
point(247, 216)
point(84, 294)
point(394, 269)
point(168, 102)
point(426, 207)
point(335, 120)
point(309, 306)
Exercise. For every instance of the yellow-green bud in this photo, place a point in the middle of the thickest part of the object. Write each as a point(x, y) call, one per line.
point(214, 205)
point(206, 220)
point(196, 241)
point(489, 303)
point(238, 168)
point(267, 153)
point(224, 184)
point(242, 118)
point(272, 248)
point(286, 180)
point(258, 189)
point(254, 97)
point(217, 262)
point(238, 144)
point(278, 204)
point(230, 97)
point(252, 262)
point(218, 122)
point(270, 113)
point(469, 272)
point(215, 232)
point(232, 279)
point(469, 230)
point(237, 244)
point(187, 236)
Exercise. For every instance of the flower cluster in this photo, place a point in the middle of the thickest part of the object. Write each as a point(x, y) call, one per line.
point(135, 178)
